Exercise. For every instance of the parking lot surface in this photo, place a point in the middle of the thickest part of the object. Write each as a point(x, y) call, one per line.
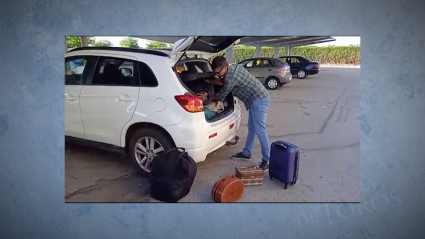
point(320, 114)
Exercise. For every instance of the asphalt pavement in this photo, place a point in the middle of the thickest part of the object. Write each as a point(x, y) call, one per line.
point(320, 114)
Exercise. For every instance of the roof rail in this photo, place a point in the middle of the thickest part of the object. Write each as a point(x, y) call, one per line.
point(125, 49)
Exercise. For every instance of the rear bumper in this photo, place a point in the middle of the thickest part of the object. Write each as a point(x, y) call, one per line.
point(312, 71)
point(200, 138)
point(212, 144)
point(285, 79)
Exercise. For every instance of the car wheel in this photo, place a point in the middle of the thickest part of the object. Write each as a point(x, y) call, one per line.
point(272, 83)
point(301, 74)
point(144, 145)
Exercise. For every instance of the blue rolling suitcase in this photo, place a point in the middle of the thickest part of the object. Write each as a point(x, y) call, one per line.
point(284, 162)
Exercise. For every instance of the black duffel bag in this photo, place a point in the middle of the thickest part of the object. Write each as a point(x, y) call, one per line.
point(172, 175)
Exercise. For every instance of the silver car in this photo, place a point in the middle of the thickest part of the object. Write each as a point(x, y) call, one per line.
point(272, 72)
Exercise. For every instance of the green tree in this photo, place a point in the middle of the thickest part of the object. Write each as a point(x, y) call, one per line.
point(75, 41)
point(158, 45)
point(129, 42)
point(102, 43)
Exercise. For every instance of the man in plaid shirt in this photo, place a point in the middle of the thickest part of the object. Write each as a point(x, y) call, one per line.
point(256, 99)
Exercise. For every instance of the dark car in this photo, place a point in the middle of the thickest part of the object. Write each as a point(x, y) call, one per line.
point(301, 66)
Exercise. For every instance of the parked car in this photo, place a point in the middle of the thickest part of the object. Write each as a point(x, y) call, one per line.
point(301, 66)
point(272, 72)
point(134, 100)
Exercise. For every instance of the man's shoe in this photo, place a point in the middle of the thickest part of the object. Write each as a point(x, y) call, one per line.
point(264, 165)
point(241, 156)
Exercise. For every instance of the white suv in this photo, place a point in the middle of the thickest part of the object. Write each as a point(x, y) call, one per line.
point(136, 100)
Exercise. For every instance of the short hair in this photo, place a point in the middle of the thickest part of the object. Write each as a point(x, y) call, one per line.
point(219, 61)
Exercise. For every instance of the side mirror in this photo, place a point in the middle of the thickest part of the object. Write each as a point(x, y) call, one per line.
point(126, 71)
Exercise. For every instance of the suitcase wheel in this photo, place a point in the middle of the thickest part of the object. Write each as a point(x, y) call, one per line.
point(286, 186)
point(292, 184)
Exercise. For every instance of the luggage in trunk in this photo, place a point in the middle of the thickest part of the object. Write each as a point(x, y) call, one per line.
point(194, 77)
point(227, 189)
point(199, 86)
point(284, 162)
point(251, 175)
point(226, 106)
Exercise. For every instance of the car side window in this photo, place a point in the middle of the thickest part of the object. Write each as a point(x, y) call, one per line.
point(112, 71)
point(273, 63)
point(288, 60)
point(266, 63)
point(258, 63)
point(181, 67)
point(294, 60)
point(249, 64)
point(147, 77)
point(74, 69)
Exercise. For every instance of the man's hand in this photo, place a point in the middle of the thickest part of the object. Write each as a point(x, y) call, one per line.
point(203, 95)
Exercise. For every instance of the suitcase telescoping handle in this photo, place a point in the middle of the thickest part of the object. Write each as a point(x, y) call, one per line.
point(281, 145)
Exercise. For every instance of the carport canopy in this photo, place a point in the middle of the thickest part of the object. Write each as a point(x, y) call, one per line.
point(258, 42)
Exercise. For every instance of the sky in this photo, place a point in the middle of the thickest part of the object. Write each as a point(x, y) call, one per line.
point(339, 41)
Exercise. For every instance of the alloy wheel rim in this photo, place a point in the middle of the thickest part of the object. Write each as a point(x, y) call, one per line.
point(272, 83)
point(145, 151)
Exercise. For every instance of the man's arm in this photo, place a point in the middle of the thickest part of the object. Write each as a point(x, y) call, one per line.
point(229, 84)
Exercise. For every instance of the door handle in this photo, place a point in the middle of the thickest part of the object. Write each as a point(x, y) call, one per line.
point(125, 99)
point(71, 97)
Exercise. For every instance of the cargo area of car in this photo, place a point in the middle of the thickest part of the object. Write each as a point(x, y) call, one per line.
point(192, 73)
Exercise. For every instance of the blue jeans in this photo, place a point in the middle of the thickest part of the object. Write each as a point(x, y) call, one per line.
point(257, 127)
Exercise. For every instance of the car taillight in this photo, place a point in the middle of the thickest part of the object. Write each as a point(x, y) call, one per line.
point(317, 66)
point(190, 103)
point(285, 68)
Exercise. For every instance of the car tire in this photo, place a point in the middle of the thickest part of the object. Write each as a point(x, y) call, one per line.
point(272, 83)
point(301, 74)
point(160, 139)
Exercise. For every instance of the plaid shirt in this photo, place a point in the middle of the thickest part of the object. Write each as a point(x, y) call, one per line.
point(243, 85)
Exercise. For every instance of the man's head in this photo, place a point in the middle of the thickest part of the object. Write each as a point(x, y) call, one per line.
point(220, 66)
